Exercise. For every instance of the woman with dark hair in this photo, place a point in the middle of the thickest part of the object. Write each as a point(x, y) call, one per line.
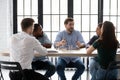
point(106, 46)
point(95, 37)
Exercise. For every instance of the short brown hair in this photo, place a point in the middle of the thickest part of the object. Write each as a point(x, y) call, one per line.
point(69, 19)
point(26, 23)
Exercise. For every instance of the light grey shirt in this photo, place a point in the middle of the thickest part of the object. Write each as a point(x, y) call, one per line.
point(43, 40)
point(71, 39)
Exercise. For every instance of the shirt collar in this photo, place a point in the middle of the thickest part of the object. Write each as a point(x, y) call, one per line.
point(68, 33)
point(26, 33)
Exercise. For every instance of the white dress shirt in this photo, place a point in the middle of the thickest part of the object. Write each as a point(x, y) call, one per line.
point(22, 47)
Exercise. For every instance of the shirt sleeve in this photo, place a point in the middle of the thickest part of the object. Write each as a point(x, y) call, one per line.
point(58, 38)
point(80, 38)
point(46, 39)
point(92, 40)
point(38, 47)
point(95, 44)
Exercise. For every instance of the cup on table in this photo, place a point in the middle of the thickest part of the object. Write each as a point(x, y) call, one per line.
point(70, 47)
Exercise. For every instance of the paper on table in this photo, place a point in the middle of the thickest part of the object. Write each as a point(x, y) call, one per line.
point(52, 51)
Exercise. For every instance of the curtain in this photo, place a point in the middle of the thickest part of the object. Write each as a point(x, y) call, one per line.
point(6, 22)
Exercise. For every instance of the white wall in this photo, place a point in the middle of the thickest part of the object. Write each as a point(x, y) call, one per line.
point(6, 22)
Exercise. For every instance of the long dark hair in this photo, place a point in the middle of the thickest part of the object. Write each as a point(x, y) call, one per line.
point(108, 38)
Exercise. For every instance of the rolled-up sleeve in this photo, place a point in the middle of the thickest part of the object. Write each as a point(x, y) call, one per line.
point(95, 44)
point(47, 39)
point(80, 38)
point(58, 38)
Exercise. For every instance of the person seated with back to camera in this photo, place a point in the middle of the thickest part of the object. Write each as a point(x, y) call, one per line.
point(22, 48)
point(106, 46)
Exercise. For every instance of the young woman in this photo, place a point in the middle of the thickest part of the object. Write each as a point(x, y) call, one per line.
point(95, 37)
point(106, 47)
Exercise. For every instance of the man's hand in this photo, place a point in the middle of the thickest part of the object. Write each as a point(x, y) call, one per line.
point(61, 43)
point(80, 45)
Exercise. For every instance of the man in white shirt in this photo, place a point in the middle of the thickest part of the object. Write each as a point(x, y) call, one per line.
point(23, 45)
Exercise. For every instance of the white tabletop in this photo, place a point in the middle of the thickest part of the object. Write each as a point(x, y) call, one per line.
point(80, 52)
point(54, 52)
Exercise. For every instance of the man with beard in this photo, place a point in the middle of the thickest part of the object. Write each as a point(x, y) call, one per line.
point(69, 39)
point(42, 62)
point(41, 36)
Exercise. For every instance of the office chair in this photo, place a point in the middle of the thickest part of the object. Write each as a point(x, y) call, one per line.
point(11, 66)
point(113, 65)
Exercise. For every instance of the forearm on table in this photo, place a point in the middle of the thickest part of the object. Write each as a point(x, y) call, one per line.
point(58, 44)
point(82, 45)
point(47, 45)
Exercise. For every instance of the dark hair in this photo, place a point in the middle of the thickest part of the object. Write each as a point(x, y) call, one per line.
point(108, 38)
point(100, 25)
point(69, 19)
point(36, 26)
point(26, 23)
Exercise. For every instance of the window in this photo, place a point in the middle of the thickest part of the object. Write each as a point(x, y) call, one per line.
point(86, 17)
point(26, 8)
point(112, 13)
point(54, 15)
point(85, 14)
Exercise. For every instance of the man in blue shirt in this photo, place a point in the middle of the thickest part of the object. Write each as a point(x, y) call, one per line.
point(42, 62)
point(65, 39)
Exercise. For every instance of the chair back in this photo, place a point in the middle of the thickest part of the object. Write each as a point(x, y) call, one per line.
point(113, 65)
point(12, 66)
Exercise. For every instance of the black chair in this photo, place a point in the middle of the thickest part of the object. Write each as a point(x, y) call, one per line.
point(11, 66)
point(113, 65)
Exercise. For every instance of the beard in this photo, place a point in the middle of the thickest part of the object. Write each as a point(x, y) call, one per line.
point(40, 35)
point(71, 30)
